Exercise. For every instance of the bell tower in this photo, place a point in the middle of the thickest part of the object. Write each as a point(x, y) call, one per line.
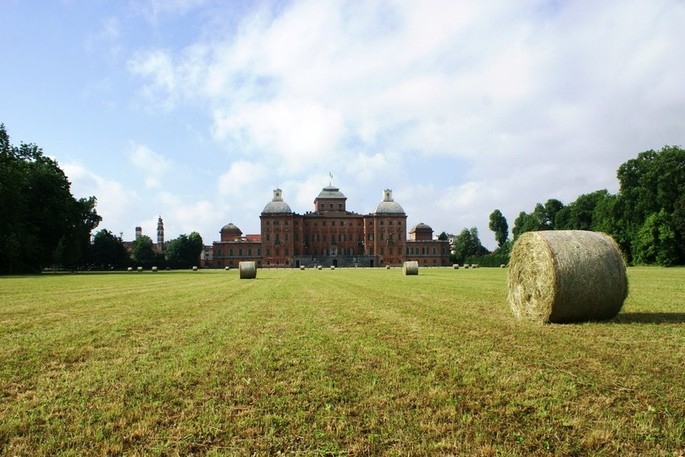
point(160, 234)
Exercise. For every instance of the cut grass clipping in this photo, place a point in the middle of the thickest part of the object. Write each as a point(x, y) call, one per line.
point(566, 276)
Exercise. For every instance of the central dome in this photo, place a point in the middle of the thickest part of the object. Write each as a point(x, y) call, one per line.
point(277, 205)
point(329, 192)
point(388, 205)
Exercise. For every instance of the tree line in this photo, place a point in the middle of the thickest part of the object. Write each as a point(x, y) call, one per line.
point(43, 225)
point(646, 217)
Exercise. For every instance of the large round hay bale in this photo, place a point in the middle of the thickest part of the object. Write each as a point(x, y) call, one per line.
point(455, 266)
point(248, 270)
point(410, 268)
point(566, 276)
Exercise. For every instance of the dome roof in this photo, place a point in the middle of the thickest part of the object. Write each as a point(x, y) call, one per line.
point(420, 227)
point(330, 192)
point(277, 205)
point(388, 205)
point(231, 228)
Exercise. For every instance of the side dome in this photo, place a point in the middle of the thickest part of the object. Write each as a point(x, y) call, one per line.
point(421, 227)
point(388, 205)
point(231, 229)
point(277, 205)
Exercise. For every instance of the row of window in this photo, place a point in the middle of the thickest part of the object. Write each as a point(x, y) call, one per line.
point(241, 252)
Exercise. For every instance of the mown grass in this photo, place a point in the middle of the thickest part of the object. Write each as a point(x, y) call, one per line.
point(344, 362)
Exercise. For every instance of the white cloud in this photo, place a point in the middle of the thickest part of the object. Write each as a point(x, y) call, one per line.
point(153, 165)
point(534, 100)
point(115, 203)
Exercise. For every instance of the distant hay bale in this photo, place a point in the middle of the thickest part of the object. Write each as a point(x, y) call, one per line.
point(503, 266)
point(227, 268)
point(474, 265)
point(140, 268)
point(154, 269)
point(410, 268)
point(248, 270)
point(332, 267)
point(319, 267)
point(455, 266)
point(466, 265)
point(129, 269)
point(194, 268)
point(302, 267)
point(566, 276)
point(387, 267)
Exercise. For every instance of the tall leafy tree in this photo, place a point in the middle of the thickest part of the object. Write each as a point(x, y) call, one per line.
point(653, 183)
point(42, 223)
point(143, 250)
point(498, 224)
point(184, 251)
point(467, 244)
point(108, 251)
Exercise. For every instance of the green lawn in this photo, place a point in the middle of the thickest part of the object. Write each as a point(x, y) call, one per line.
point(343, 362)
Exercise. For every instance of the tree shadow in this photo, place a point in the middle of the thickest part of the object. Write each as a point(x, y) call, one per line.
point(650, 318)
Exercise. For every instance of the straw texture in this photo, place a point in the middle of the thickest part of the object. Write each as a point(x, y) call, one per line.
point(566, 276)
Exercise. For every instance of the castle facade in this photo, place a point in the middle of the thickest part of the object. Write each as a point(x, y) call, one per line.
point(330, 235)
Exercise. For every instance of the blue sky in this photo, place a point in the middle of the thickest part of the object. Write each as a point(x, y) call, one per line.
point(196, 110)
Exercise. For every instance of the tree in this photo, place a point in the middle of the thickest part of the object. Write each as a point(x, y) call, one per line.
point(42, 223)
point(652, 183)
point(655, 242)
point(143, 251)
point(467, 244)
point(498, 224)
point(108, 251)
point(184, 251)
point(443, 236)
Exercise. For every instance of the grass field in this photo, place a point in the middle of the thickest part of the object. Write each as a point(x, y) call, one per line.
point(344, 362)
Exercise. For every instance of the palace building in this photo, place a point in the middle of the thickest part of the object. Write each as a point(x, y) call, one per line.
point(330, 235)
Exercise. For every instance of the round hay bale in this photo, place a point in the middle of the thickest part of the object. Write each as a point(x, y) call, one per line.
point(503, 265)
point(194, 268)
point(129, 269)
point(302, 267)
point(154, 269)
point(387, 267)
point(332, 267)
point(455, 266)
point(566, 276)
point(319, 267)
point(227, 268)
point(140, 269)
point(474, 265)
point(248, 270)
point(410, 268)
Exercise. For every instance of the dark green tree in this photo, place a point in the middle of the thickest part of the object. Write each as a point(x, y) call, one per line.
point(184, 251)
point(108, 251)
point(652, 183)
point(143, 251)
point(498, 224)
point(467, 244)
point(42, 224)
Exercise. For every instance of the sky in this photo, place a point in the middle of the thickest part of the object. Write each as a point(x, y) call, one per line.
point(196, 110)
